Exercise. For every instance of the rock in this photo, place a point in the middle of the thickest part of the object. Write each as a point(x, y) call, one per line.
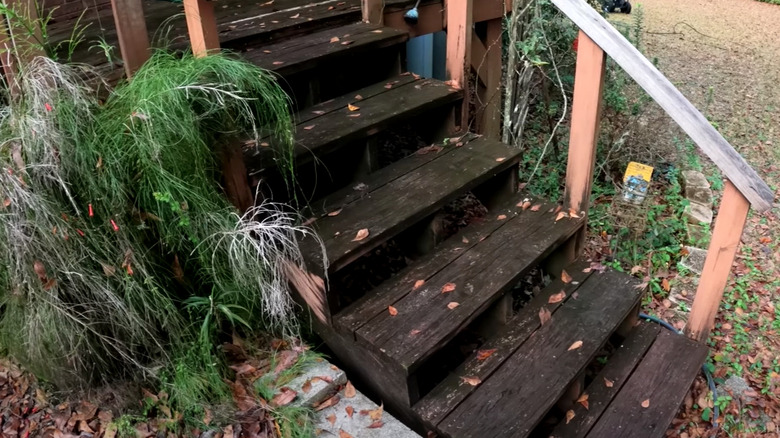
point(336, 418)
point(702, 195)
point(692, 178)
point(739, 388)
point(698, 213)
point(323, 381)
point(694, 261)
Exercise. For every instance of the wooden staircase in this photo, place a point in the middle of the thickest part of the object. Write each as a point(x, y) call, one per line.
point(443, 342)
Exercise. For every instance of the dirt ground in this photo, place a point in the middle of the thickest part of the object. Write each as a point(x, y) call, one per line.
point(724, 55)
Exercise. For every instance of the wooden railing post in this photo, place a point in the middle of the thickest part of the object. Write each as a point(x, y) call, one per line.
point(585, 119)
point(460, 25)
point(372, 11)
point(486, 60)
point(726, 236)
point(131, 32)
point(202, 26)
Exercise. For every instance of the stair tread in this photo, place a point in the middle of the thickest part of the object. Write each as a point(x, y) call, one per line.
point(662, 379)
point(515, 397)
point(389, 208)
point(451, 391)
point(617, 371)
point(324, 127)
point(480, 276)
point(306, 52)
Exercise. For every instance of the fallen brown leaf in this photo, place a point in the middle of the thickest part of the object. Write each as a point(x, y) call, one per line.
point(560, 216)
point(335, 39)
point(556, 298)
point(350, 410)
point(284, 397)
point(501, 217)
point(278, 62)
point(414, 332)
point(392, 310)
point(565, 277)
point(525, 205)
point(349, 390)
point(306, 387)
point(449, 287)
point(352, 107)
point(343, 434)
point(361, 234)
point(328, 403)
point(575, 345)
point(295, 16)
point(452, 305)
point(346, 43)
point(569, 416)
point(309, 128)
point(500, 159)
point(608, 383)
point(484, 354)
point(473, 381)
point(335, 212)
point(418, 284)
point(583, 400)
point(544, 315)
point(376, 424)
point(646, 403)
point(464, 240)
point(331, 419)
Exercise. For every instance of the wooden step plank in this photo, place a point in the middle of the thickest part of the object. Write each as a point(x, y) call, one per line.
point(408, 199)
point(616, 372)
point(481, 275)
point(662, 379)
point(452, 390)
point(306, 52)
point(318, 136)
point(517, 396)
point(370, 183)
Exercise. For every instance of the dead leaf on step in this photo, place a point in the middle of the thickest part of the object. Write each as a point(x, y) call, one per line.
point(556, 298)
point(646, 403)
point(278, 62)
point(284, 397)
point(473, 381)
point(346, 43)
point(388, 86)
point(392, 310)
point(525, 205)
point(569, 416)
point(500, 159)
point(334, 212)
point(484, 354)
point(295, 16)
point(414, 332)
point(544, 315)
point(464, 240)
point(328, 403)
point(349, 390)
point(573, 214)
point(306, 387)
point(343, 434)
point(583, 400)
point(376, 425)
point(331, 419)
point(309, 128)
point(428, 149)
point(449, 287)
point(565, 277)
point(608, 383)
point(665, 285)
point(575, 345)
point(501, 217)
point(358, 97)
point(350, 410)
point(335, 39)
point(375, 414)
point(452, 305)
point(318, 112)
point(560, 216)
point(362, 234)
point(354, 116)
point(266, 51)
point(418, 284)
point(352, 107)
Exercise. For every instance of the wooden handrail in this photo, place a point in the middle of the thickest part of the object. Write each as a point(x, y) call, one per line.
point(707, 138)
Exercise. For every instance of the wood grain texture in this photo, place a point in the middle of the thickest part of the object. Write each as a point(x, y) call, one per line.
point(480, 277)
point(460, 23)
point(307, 52)
point(516, 396)
point(201, 26)
point(329, 131)
point(453, 390)
point(662, 379)
point(585, 119)
point(709, 140)
point(408, 199)
point(131, 32)
point(617, 370)
point(726, 237)
point(372, 11)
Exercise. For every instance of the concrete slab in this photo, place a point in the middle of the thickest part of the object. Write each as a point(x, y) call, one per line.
point(336, 421)
point(697, 213)
point(694, 261)
point(317, 383)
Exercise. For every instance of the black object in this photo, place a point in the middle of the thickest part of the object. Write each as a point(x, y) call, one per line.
point(612, 5)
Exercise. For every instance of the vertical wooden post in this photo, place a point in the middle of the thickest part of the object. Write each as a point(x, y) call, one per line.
point(131, 32)
point(372, 11)
point(489, 116)
point(726, 236)
point(585, 119)
point(460, 23)
point(202, 26)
